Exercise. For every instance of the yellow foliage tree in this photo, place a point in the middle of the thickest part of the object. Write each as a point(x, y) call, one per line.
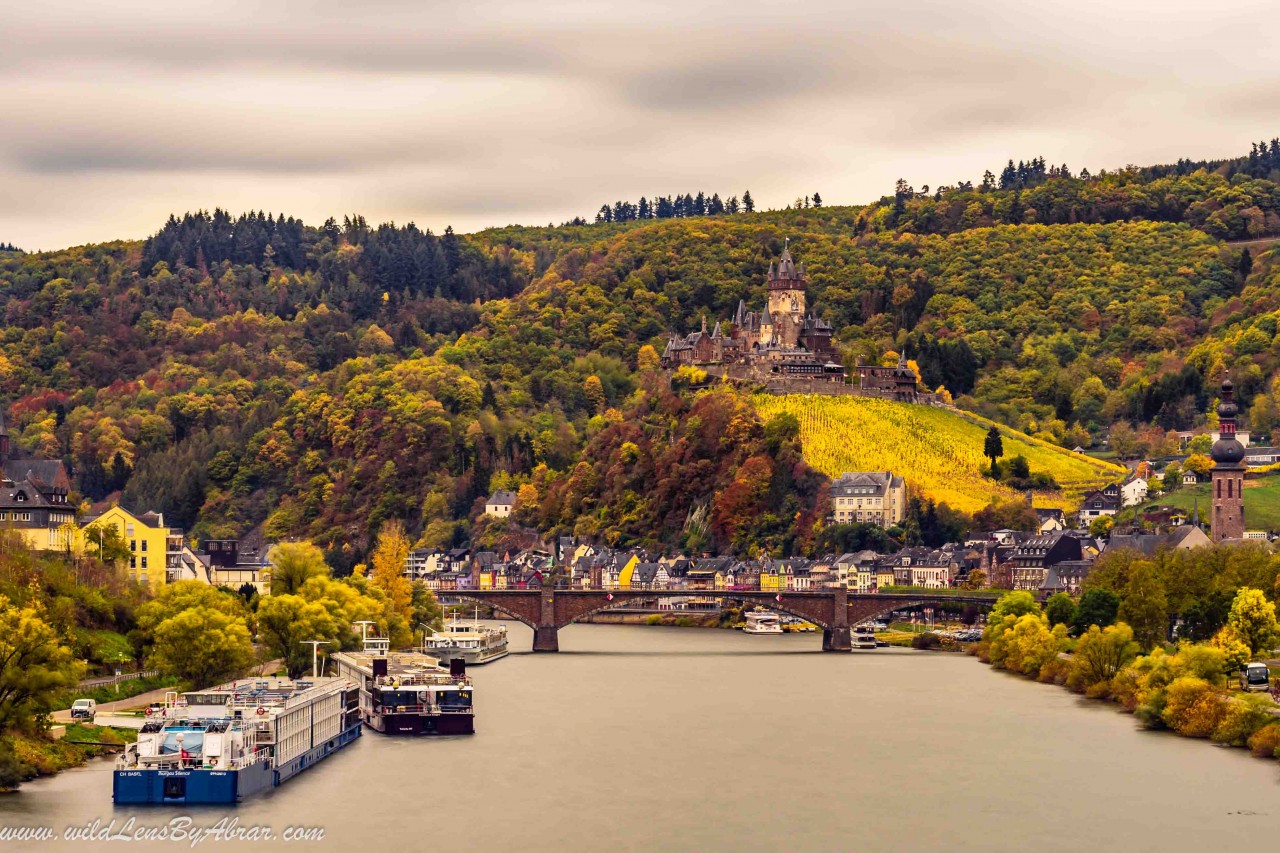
point(388, 571)
point(647, 358)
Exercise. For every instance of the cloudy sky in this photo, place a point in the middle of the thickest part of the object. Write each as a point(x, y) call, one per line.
point(476, 113)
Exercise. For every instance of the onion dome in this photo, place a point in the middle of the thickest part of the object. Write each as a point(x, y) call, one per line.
point(1227, 450)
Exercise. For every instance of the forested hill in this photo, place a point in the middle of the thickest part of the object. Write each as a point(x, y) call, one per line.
point(322, 379)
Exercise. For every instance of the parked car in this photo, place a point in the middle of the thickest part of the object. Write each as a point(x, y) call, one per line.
point(84, 709)
point(1255, 677)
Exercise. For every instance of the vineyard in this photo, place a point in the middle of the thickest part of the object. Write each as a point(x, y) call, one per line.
point(939, 452)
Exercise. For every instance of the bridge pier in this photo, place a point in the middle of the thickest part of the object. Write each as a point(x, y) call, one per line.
point(546, 637)
point(836, 638)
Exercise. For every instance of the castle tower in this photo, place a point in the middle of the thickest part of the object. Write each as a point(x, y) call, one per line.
point(787, 284)
point(1228, 471)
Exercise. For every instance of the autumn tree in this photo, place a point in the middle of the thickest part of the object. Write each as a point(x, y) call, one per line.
point(202, 647)
point(34, 666)
point(594, 389)
point(287, 622)
point(647, 359)
point(1100, 655)
point(1253, 619)
point(293, 564)
point(388, 561)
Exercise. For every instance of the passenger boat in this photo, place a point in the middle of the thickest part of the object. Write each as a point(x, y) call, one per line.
point(223, 745)
point(762, 622)
point(473, 642)
point(409, 693)
point(863, 637)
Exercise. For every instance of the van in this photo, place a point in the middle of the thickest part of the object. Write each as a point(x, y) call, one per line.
point(1255, 676)
point(84, 709)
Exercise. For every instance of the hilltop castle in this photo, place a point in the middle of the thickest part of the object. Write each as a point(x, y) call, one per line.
point(785, 336)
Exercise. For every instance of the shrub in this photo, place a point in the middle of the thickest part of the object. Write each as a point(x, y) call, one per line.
point(927, 640)
point(1245, 715)
point(1265, 742)
point(1194, 707)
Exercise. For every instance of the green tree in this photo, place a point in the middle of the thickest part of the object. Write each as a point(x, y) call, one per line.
point(1014, 604)
point(1101, 526)
point(748, 203)
point(1253, 618)
point(105, 542)
point(1097, 607)
point(293, 564)
point(202, 647)
point(1100, 655)
point(1060, 609)
point(993, 447)
point(1145, 606)
point(34, 666)
point(286, 622)
point(426, 608)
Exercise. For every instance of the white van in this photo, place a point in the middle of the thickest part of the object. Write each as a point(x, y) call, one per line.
point(1255, 676)
point(84, 709)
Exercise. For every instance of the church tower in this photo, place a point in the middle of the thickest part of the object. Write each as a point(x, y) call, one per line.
point(787, 285)
point(4, 446)
point(1228, 471)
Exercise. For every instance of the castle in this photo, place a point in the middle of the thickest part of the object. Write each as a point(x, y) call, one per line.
point(782, 339)
point(787, 347)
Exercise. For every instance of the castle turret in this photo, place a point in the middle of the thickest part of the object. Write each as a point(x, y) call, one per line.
point(1228, 471)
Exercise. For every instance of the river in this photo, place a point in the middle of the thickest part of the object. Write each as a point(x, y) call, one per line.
point(642, 738)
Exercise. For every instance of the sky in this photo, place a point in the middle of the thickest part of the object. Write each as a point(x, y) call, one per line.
point(479, 113)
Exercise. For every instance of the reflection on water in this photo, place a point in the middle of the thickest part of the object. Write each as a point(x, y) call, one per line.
point(642, 738)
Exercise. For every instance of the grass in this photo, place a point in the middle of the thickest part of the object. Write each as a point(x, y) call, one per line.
point(938, 451)
point(1261, 501)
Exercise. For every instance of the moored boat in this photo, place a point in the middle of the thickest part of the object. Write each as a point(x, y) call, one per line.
point(863, 637)
point(474, 642)
point(762, 622)
point(227, 743)
point(409, 693)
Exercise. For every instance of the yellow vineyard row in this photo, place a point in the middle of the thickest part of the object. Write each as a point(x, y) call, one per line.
point(937, 451)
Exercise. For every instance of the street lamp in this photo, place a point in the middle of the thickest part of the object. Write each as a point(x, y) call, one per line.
point(315, 655)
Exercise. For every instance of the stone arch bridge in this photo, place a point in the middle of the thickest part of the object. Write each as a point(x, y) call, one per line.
point(548, 610)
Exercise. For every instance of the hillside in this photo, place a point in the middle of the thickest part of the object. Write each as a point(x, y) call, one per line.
point(321, 379)
point(939, 452)
point(1261, 499)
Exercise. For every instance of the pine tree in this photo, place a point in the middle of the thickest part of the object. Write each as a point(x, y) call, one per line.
point(817, 200)
point(731, 206)
point(748, 203)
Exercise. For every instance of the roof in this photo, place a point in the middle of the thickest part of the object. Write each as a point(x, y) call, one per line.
point(502, 498)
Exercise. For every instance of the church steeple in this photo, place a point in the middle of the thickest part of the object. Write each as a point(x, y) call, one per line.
point(4, 444)
point(1228, 471)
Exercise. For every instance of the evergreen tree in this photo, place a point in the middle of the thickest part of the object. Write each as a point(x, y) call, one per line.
point(748, 203)
point(731, 206)
point(993, 447)
point(817, 200)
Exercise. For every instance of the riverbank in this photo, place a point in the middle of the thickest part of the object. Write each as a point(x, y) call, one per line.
point(24, 757)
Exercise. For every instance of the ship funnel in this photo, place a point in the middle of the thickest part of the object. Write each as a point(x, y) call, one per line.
point(457, 667)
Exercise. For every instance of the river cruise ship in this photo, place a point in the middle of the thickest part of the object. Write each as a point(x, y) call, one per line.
point(474, 642)
point(409, 693)
point(225, 744)
point(762, 622)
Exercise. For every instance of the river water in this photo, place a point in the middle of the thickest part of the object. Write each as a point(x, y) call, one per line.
point(643, 738)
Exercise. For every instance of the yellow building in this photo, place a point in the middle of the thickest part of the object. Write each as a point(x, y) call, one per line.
point(147, 538)
point(627, 571)
point(884, 577)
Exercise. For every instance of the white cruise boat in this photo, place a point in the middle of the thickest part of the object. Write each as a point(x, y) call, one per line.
point(762, 622)
point(863, 637)
point(475, 642)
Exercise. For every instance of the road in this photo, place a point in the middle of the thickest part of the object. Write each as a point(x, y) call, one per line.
point(142, 700)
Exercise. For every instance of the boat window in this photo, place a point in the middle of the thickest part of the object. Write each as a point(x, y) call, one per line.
point(455, 699)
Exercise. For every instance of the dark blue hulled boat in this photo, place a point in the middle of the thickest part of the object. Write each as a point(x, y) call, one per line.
point(223, 745)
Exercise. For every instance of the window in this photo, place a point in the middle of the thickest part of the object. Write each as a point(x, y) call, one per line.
point(133, 562)
point(144, 546)
point(133, 544)
point(128, 530)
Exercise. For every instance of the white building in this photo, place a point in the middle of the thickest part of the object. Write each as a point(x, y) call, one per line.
point(1133, 492)
point(500, 504)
